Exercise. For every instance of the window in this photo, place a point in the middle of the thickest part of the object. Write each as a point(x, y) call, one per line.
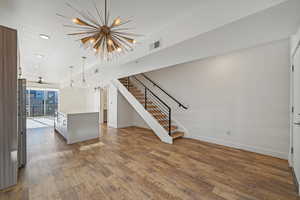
point(41, 102)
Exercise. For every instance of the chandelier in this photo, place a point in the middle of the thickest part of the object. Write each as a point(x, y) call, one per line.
point(107, 38)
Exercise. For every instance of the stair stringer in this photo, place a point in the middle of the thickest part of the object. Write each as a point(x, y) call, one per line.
point(145, 115)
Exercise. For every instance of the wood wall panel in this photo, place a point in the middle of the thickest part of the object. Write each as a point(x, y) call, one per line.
point(8, 107)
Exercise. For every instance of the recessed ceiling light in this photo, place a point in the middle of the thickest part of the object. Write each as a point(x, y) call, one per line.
point(44, 36)
point(39, 56)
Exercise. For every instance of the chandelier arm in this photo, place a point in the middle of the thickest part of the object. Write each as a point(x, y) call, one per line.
point(83, 23)
point(98, 13)
point(79, 27)
point(98, 42)
point(83, 33)
point(126, 39)
point(123, 43)
point(125, 22)
point(123, 29)
point(93, 19)
point(81, 13)
point(126, 34)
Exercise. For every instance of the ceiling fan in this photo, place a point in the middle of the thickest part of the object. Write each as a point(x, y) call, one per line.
point(40, 81)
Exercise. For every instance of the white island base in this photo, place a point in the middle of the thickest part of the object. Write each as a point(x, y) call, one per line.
point(77, 127)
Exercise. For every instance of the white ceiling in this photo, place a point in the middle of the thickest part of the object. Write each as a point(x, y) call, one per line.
point(34, 17)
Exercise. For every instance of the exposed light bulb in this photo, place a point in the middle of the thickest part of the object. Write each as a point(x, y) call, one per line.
point(119, 49)
point(75, 20)
point(92, 40)
point(110, 42)
point(117, 21)
point(134, 41)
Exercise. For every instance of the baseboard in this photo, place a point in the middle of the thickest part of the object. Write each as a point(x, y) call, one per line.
point(9, 188)
point(263, 151)
point(295, 180)
point(241, 146)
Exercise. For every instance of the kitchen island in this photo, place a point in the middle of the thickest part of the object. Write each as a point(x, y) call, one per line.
point(77, 127)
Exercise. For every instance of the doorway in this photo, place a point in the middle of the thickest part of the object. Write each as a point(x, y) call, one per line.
point(295, 136)
point(41, 106)
point(103, 105)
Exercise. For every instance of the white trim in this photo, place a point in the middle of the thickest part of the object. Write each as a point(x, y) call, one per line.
point(296, 49)
point(42, 89)
point(259, 150)
point(293, 53)
point(290, 158)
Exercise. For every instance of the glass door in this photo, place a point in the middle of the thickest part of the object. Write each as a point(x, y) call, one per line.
point(37, 103)
point(51, 101)
point(41, 102)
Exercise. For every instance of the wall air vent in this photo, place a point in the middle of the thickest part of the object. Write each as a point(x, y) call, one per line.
point(155, 45)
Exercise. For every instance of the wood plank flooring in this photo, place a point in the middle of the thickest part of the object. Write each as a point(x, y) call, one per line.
point(131, 163)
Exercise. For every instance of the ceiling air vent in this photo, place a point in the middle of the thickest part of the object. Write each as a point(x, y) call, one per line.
point(155, 45)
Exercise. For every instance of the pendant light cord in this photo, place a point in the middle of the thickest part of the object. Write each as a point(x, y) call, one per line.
point(83, 70)
point(106, 13)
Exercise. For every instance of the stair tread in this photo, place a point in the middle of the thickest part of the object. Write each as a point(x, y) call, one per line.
point(151, 106)
point(160, 116)
point(143, 101)
point(135, 88)
point(173, 127)
point(164, 121)
point(136, 92)
point(154, 111)
point(157, 113)
point(177, 134)
point(140, 97)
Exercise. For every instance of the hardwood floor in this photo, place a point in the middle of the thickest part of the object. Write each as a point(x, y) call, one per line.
point(132, 163)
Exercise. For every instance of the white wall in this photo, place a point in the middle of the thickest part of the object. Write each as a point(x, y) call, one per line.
point(120, 113)
point(240, 99)
point(112, 119)
point(41, 86)
point(125, 112)
point(77, 100)
point(244, 33)
point(138, 121)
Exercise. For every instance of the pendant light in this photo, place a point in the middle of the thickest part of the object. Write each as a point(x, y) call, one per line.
point(83, 81)
point(71, 76)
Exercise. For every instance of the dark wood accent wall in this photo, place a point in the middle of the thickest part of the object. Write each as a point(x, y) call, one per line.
point(8, 107)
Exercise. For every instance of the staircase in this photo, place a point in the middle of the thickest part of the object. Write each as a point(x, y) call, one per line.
point(151, 104)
